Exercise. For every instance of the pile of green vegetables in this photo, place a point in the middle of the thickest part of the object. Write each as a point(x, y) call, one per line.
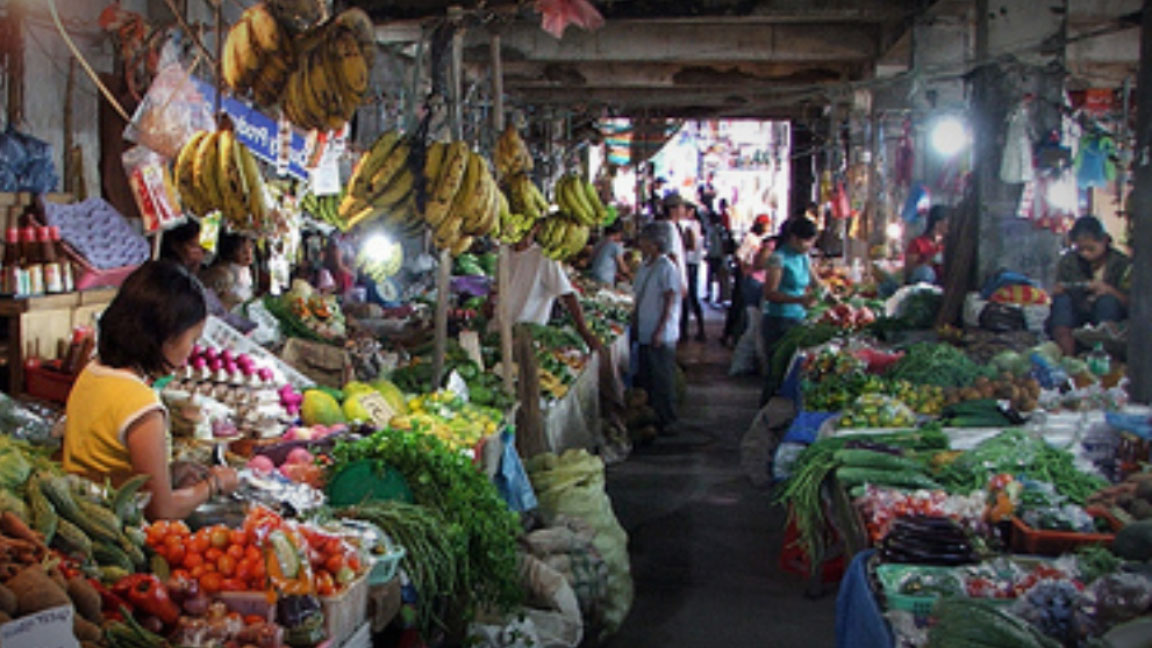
point(476, 523)
point(930, 363)
point(800, 337)
point(484, 388)
point(1019, 453)
point(829, 455)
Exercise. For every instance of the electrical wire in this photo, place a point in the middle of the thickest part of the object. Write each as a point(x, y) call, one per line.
point(84, 64)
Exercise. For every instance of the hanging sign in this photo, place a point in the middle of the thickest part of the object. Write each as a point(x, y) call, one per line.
point(259, 132)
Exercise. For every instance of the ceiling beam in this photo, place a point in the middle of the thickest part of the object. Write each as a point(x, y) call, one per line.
point(670, 75)
point(685, 41)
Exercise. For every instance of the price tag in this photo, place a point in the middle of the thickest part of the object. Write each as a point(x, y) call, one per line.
point(48, 629)
point(378, 408)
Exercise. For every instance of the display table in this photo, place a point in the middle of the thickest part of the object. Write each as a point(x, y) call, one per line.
point(574, 421)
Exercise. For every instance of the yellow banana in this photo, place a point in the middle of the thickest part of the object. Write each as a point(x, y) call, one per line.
point(231, 178)
point(592, 197)
point(461, 246)
point(253, 185)
point(240, 59)
point(393, 167)
point(447, 184)
point(207, 172)
point(185, 174)
point(433, 158)
point(266, 30)
point(464, 202)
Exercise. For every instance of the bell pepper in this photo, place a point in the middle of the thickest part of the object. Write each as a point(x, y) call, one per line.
point(148, 594)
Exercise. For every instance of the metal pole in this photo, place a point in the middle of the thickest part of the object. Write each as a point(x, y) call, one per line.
point(444, 272)
point(1140, 305)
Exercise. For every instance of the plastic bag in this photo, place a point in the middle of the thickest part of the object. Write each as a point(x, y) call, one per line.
point(573, 485)
point(511, 481)
point(152, 188)
point(26, 163)
point(749, 353)
point(170, 113)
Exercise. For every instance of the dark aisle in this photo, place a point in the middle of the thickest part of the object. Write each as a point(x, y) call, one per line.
point(704, 542)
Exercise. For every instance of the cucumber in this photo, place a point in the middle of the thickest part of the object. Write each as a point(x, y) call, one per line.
point(861, 458)
point(850, 476)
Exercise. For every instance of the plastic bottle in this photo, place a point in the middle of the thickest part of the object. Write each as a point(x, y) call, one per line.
point(12, 280)
point(66, 275)
point(53, 281)
point(1099, 362)
point(1050, 375)
point(30, 253)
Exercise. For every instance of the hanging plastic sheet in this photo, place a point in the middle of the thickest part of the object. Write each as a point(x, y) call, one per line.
point(26, 163)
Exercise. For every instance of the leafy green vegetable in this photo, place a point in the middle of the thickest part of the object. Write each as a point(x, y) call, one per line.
point(479, 526)
point(929, 363)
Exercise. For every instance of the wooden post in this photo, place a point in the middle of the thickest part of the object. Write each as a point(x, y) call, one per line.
point(15, 71)
point(1140, 306)
point(502, 270)
point(443, 274)
point(66, 155)
point(529, 418)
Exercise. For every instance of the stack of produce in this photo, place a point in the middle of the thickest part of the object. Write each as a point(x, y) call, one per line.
point(880, 506)
point(526, 205)
point(1022, 392)
point(877, 411)
point(845, 316)
point(461, 543)
point(927, 540)
point(446, 416)
point(382, 186)
point(577, 197)
point(255, 393)
point(258, 55)
point(485, 388)
point(215, 172)
point(562, 236)
point(331, 76)
point(305, 313)
point(929, 363)
point(323, 208)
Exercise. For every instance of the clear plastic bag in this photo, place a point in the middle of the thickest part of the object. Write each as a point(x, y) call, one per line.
point(171, 112)
point(152, 188)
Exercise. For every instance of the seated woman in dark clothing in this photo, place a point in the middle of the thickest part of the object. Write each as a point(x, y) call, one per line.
point(1092, 283)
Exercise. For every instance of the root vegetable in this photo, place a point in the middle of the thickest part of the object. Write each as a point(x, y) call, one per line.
point(14, 527)
point(85, 630)
point(35, 591)
point(7, 601)
point(85, 598)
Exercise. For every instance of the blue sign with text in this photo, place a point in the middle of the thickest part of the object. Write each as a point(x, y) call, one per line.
point(259, 132)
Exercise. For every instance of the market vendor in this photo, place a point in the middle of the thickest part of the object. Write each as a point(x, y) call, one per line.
point(116, 426)
point(230, 275)
point(181, 245)
point(924, 260)
point(535, 282)
point(608, 257)
point(790, 285)
point(1092, 283)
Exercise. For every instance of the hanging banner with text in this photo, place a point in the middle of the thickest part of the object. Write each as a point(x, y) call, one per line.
point(259, 132)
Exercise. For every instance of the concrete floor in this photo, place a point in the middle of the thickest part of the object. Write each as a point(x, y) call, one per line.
point(703, 541)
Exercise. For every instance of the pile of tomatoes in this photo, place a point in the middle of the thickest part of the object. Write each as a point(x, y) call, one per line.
point(220, 559)
point(335, 562)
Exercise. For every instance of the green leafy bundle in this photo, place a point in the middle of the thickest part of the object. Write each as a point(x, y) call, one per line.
point(480, 528)
point(930, 363)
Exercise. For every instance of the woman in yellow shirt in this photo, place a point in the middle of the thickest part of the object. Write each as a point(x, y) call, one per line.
point(116, 425)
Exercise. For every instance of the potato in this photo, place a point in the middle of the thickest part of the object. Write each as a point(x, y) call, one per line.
point(85, 630)
point(86, 599)
point(7, 601)
point(36, 591)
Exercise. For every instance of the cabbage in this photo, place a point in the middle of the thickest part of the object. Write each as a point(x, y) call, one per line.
point(1006, 361)
point(14, 468)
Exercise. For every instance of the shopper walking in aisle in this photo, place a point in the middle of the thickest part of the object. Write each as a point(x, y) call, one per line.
point(716, 242)
point(666, 220)
point(656, 323)
point(692, 236)
point(748, 281)
point(608, 262)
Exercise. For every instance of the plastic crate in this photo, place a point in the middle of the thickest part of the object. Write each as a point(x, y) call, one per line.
point(890, 576)
point(345, 612)
point(1025, 539)
point(384, 567)
point(47, 384)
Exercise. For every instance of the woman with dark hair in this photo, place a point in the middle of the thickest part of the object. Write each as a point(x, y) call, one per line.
point(1093, 279)
point(924, 260)
point(181, 245)
point(789, 282)
point(230, 275)
point(116, 425)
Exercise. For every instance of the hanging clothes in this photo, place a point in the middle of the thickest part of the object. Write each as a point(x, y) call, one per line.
point(1016, 162)
point(1094, 165)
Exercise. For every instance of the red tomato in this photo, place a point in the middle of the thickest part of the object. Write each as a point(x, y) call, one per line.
point(237, 537)
point(253, 553)
point(213, 554)
point(244, 570)
point(192, 560)
point(179, 527)
point(254, 619)
point(174, 554)
point(219, 537)
point(334, 563)
point(259, 572)
point(354, 562)
point(211, 582)
point(236, 552)
point(226, 565)
point(197, 572)
point(325, 583)
point(199, 544)
point(233, 585)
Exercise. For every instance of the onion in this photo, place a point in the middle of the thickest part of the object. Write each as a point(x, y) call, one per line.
point(197, 605)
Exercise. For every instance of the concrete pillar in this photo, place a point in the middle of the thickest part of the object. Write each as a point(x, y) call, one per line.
point(1006, 241)
point(1140, 308)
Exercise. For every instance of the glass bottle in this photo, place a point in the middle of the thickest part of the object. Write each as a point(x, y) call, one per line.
point(66, 275)
point(31, 258)
point(53, 282)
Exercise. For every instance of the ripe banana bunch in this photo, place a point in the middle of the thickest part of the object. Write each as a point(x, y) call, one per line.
point(562, 236)
point(577, 197)
point(331, 80)
point(258, 55)
point(463, 200)
point(382, 186)
point(512, 156)
point(214, 171)
point(525, 197)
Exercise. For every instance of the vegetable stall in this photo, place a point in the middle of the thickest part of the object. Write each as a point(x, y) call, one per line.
point(963, 497)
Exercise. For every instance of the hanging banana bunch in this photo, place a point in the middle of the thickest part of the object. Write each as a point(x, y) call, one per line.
point(577, 198)
point(382, 186)
point(215, 172)
point(512, 156)
point(562, 236)
point(463, 199)
point(331, 80)
point(526, 205)
point(258, 55)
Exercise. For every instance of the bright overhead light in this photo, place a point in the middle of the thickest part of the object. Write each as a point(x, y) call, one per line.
point(949, 136)
point(895, 230)
point(378, 248)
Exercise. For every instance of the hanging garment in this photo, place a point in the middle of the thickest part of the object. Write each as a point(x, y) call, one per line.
point(1094, 165)
point(556, 15)
point(1016, 163)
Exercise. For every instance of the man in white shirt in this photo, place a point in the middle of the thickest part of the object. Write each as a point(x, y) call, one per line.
point(535, 282)
point(657, 323)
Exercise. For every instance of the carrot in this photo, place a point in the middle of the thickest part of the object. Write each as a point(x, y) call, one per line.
point(14, 527)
